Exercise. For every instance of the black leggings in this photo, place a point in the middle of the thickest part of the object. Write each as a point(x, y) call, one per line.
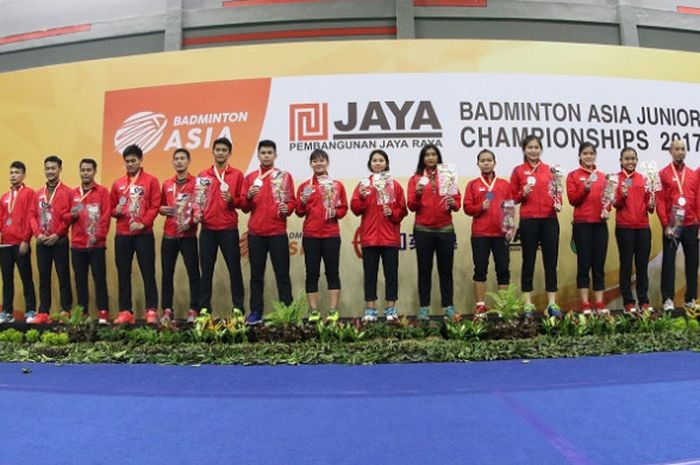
point(441, 245)
point(591, 241)
point(390, 263)
point(482, 247)
point(634, 245)
point(543, 232)
point(316, 249)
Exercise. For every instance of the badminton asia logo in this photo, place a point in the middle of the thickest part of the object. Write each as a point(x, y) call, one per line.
point(364, 125)
point(144, 129)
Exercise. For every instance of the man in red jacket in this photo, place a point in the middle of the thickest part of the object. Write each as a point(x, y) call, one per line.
point(269, 197)
point(16, 209)
point(50, 227)
point(677, 209)
point(89, 216)
point(217, 195)
point(179, 233)
point(135, 200)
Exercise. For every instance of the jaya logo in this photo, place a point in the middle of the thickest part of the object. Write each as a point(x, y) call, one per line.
point(372, 120)
point(144, 129)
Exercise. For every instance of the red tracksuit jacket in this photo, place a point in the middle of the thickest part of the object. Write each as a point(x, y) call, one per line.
point(671, 184)
point(588, 204)
point(632, 211)
point(60, 204)
point(431, 209)
point(219, 214)
point(16, 206)
point(316, 224)
point(265, 218)
point(142, 192)
point(170, 193)
point(95, 210)
point(377, 230)
point(486, 223)
point(539, 203)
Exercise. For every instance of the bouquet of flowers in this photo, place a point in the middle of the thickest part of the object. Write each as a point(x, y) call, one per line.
point(447, 179)
point(508, 220)
point(329, 194)
point(202, 186)
point(93, 218)
point(384, 184)
point(45, 216)
point(556, 186)
point(183, 209)
point(279, 182)
point(135, 195)
point(611, 183)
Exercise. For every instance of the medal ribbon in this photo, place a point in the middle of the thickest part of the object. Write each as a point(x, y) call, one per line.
point(14, 194)
point(680, 181)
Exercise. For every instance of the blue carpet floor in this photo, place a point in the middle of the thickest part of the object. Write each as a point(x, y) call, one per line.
point(633, 409)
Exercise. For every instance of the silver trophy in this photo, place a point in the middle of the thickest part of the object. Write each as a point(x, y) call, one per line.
point(652, 180)
point(556, 186)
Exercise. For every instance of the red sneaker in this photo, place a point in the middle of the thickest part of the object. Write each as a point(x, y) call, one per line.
point(151, 316)
point(645, 308)
point(481, 311)
point(192, 315)
point(631, 308)
point(586, 308)
point(125, 317)
point(600, 309)
point(39, 319)
point(103, 317)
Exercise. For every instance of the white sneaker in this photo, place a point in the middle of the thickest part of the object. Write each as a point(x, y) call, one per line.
point(669, 306)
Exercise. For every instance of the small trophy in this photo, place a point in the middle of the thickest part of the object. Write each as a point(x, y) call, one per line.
point(556, 187)
point(609, 191)
point(652, 181)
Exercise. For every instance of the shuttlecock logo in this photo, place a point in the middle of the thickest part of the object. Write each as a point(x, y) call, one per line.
point(144, 129)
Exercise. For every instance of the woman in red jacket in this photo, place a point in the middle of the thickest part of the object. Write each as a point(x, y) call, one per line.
point(433, 232)
point(585, 188)
point(322, 202)
point(533, 187)
point(633, 203)
point(483, 200)
point(380, 201)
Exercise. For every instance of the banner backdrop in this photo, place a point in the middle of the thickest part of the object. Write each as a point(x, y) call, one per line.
point(397, 96)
